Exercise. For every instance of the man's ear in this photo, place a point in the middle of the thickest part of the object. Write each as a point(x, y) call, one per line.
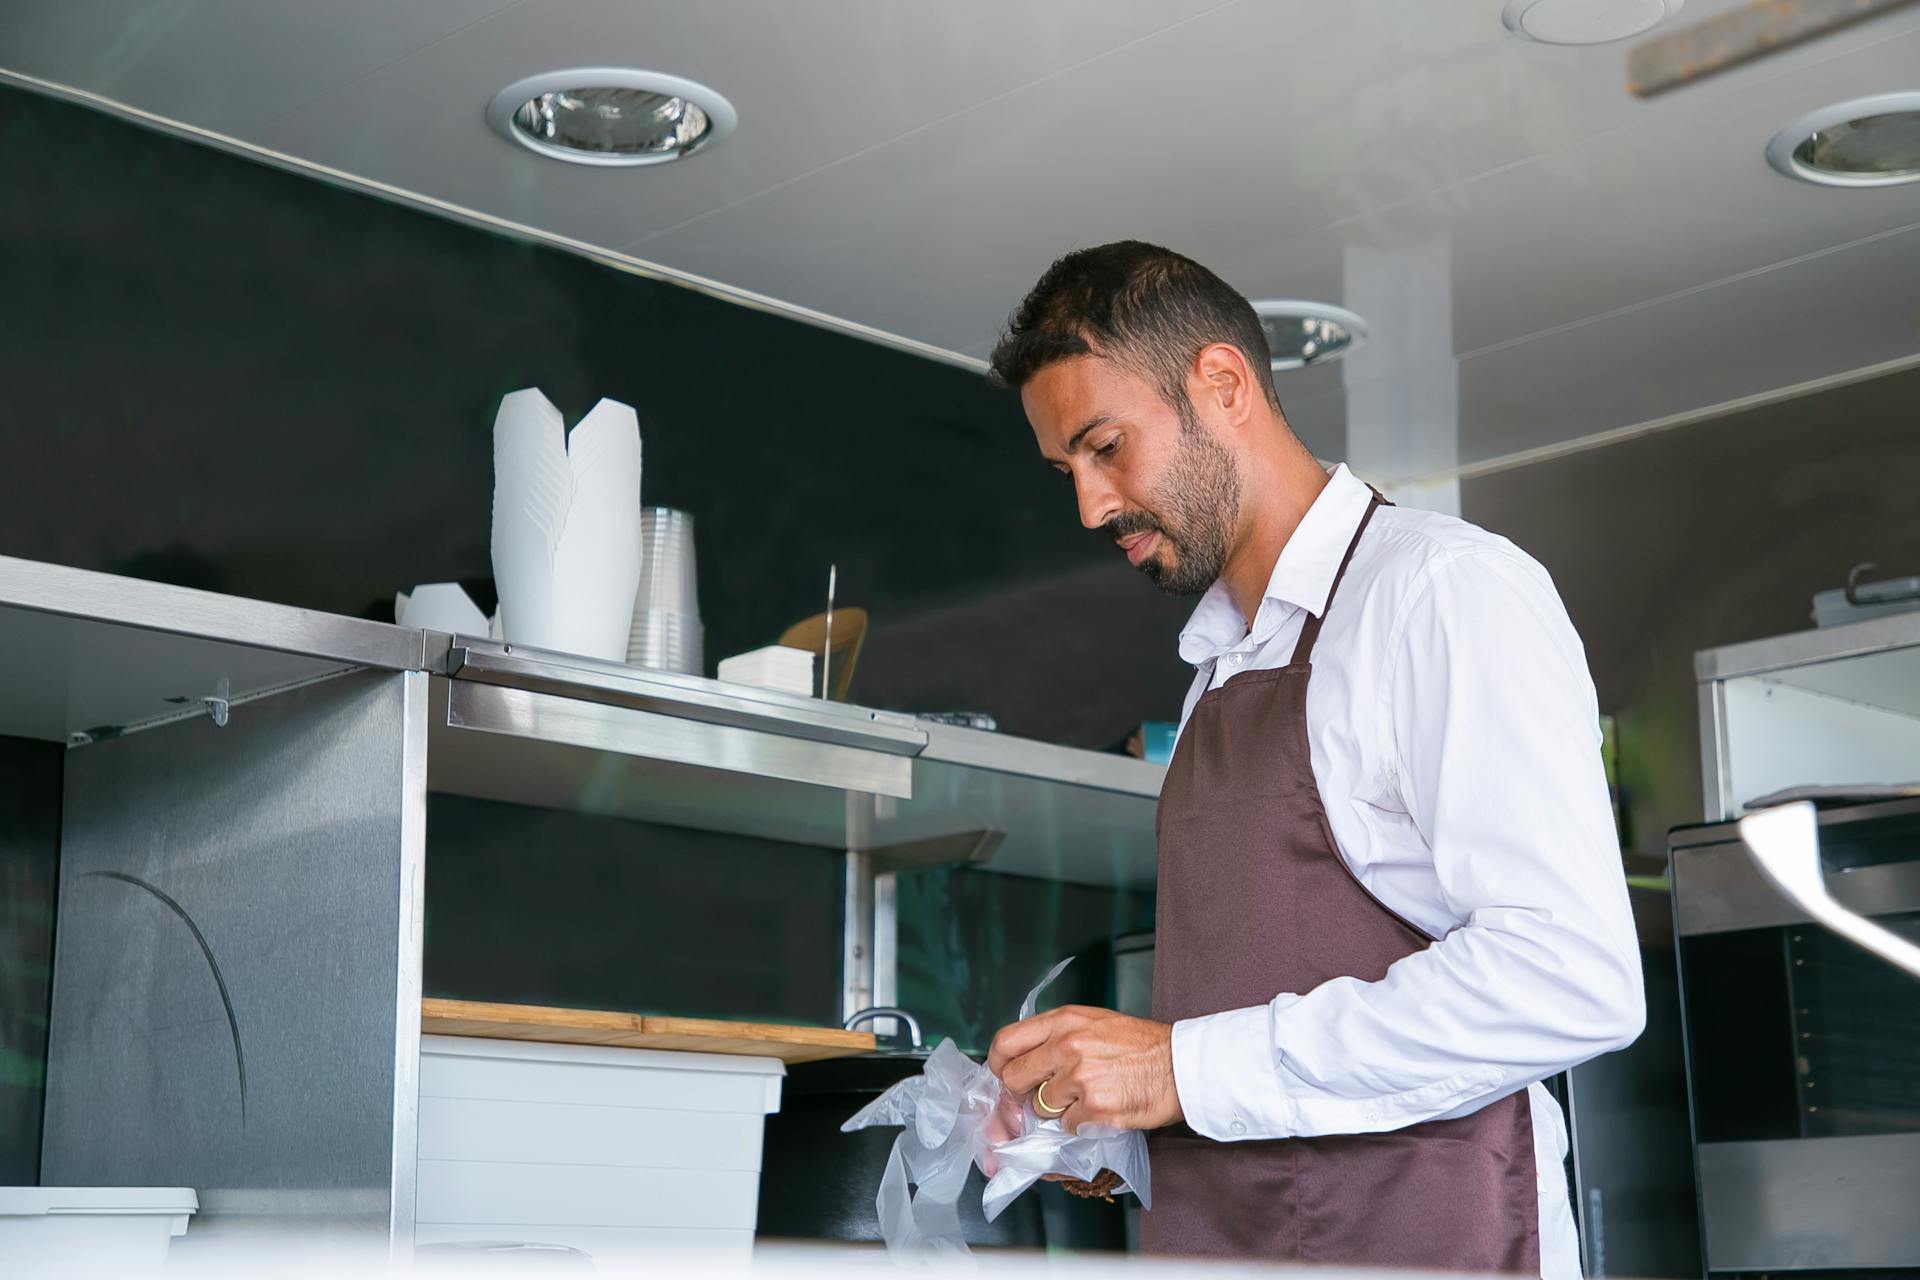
point(1226, 380)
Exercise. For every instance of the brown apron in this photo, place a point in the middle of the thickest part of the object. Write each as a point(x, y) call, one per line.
point(1255, 900)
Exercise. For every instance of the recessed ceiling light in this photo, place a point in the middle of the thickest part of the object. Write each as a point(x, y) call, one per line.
point(1304, 333)
point(1585, 21)
point(1867, 142)
point(610, 115)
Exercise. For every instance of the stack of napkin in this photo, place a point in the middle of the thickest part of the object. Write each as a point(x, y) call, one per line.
point(774, 667)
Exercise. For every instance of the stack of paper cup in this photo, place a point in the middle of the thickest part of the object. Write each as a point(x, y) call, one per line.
point(666, 610)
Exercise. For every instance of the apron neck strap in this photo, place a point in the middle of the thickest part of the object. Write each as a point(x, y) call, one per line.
point(1310, 633)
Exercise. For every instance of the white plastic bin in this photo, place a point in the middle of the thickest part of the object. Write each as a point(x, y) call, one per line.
point(617, 1152)
point(89, 1231)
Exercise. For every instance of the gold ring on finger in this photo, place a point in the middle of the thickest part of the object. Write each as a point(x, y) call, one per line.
point(1041, 1104)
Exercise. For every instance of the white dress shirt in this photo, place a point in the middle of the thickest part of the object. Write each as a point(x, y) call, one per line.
point(1455, 739)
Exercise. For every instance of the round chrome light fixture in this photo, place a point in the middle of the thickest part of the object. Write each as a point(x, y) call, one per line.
point(610, 115)
point(1304, 333)
point(1866, 142)
point(1585, 21)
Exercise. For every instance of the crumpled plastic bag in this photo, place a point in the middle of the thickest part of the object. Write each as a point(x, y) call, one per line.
point(949, 1124)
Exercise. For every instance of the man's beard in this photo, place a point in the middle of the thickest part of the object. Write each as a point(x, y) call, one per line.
point(1195, 507)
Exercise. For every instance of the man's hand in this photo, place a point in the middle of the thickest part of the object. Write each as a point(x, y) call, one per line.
point(1103, 1067)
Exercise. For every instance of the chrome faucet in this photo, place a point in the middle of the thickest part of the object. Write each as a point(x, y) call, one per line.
point(888, 1011)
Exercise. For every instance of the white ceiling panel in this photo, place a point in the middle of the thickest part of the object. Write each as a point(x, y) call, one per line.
point(937, 235)
point(225, 65)
point(1632, 217)
point(1226, 136)
point(1816, 318)
point(1627, 218)
point(813, 84)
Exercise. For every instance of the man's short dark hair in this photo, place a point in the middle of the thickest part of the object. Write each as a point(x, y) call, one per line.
point(1148, 308)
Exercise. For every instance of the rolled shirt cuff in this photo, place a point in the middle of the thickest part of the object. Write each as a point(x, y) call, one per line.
point(1225, 1074)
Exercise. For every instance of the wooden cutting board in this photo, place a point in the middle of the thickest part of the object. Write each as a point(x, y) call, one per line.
point(638, 1031)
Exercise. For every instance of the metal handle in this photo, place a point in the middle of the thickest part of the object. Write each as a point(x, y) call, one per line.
point(888, 1011)
point(1866, 595)
point(1854, 575)
point(1785, 843)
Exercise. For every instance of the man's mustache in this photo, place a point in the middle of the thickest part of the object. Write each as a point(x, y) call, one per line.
point(1128, 523)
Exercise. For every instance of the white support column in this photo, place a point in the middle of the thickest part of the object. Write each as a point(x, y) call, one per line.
point(1403, 385)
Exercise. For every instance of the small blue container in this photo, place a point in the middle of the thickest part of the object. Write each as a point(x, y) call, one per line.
point(1156, 740)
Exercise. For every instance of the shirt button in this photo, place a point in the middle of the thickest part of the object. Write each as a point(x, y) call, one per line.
point(1236, 658)
point(1239, 1126)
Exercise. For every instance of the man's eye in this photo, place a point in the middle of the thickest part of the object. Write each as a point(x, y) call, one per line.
point(1107, 449)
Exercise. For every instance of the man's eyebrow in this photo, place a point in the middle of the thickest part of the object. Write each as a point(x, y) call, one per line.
point(1073, 445)
point(1096, 421)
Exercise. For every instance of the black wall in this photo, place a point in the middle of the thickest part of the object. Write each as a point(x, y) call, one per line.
point(228, 376)
point(624, 915)
point(612, 914)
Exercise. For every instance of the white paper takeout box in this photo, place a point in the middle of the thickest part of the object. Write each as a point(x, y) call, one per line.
point(566, 525)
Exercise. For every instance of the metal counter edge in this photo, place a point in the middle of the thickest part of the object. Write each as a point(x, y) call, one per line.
point(130, 602)
point(1798, 648)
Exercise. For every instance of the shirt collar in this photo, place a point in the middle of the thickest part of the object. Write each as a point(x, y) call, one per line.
point(1302, 576)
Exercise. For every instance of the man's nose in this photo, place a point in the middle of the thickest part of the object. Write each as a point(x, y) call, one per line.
point(1098, 502)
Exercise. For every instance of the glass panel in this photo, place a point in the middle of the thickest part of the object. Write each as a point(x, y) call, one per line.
point(1871, 842)
point(972, 944)
point(1794, 1032)
point(1858, 1023)
point(1739, 1036)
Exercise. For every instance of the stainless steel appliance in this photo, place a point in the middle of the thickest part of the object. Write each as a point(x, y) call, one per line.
point(1803, 1052)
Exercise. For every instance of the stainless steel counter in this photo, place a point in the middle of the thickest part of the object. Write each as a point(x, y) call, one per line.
point(245, 843)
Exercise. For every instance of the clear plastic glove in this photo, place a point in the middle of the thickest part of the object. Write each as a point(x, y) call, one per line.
point(1041, 1146)
point(955, 1115)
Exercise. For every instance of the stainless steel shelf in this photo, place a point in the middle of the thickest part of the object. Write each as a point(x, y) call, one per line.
point(568, 733)
point(82, 595)
point(553, 773)
point(1827, 706)
point(683, 697)
point(90, 652)
point(508, 717)
point(1041, 761)
point(1052, 829)
point(1802, 648)
point(1045, 828)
